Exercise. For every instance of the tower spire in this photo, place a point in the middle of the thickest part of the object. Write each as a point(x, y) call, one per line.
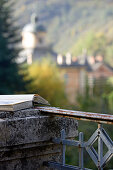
point(34, 18)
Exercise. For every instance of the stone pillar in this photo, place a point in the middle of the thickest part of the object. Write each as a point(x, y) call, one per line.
point(25, 139)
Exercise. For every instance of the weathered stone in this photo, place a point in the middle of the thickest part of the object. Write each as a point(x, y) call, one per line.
point(25, 139)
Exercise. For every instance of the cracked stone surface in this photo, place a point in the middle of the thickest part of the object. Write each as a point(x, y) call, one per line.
point(25, 139)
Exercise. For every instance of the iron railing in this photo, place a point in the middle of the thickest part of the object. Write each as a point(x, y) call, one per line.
point(100, 135)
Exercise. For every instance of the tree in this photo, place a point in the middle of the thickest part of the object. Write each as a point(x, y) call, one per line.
point(47, 82)
point(95, 43)
point(11, 81)
point(100, 101)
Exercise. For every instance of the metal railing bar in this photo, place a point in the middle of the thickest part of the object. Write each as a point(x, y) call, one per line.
point(81, 150)
point(92, 139)
point(94, 151)
point(106, 158)
point(93, 155)
point(79, 115)
point(108, 138)
point(100, 147)
point(111, 150)
point(59, 166)
point(67, 142)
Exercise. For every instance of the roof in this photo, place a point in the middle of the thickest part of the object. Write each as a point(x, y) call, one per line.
point(34, 27)
point(85, 61)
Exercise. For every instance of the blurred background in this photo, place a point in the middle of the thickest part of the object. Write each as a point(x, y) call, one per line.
point(62, 50)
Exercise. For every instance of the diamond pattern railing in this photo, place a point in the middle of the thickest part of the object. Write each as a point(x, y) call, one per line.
point(100, 135)
point(98, 158)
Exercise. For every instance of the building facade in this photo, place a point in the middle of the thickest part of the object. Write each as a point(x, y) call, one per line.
point(81, 70)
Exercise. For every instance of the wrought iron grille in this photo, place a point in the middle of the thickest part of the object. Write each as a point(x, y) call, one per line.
point(100, 135)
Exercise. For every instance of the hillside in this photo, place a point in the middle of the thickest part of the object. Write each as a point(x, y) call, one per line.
point(68, 20)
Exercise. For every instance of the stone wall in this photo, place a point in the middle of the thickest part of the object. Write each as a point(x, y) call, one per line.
point(26, 139)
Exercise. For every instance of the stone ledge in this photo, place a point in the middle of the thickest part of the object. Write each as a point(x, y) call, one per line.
point(25, 139)
point(30, 129)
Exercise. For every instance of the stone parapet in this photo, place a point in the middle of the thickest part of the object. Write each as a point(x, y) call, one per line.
point(26, 139)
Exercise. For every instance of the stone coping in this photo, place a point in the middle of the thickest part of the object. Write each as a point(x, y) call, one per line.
point(30, 126)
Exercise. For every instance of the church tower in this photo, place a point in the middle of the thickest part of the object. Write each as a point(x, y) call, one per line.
point(33, 37)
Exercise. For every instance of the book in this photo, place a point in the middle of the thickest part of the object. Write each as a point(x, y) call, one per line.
point(19, 102)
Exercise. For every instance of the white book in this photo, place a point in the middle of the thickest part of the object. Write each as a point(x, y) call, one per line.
point(19, 102)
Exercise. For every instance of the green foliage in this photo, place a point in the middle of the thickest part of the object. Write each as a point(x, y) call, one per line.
point(109, 55)
point(11, 81)
point(85, 102)
point(109, 94)
point(64, 17)
point(98, 98)
point(47, 82)
point(93, 42)
point(110, 97)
